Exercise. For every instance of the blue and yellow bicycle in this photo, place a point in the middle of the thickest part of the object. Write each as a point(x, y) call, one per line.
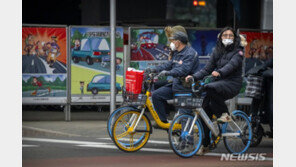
point(187, 140)
point(128, 126)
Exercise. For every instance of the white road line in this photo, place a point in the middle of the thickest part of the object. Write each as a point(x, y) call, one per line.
point(61, 65)
point(62, 141)
point(48, 69)
point(27, 145)
point(111, 145)
point(149, 141)
point(114, 147)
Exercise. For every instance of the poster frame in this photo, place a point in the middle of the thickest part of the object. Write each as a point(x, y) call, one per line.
point(126, 58)
point(119, 99)
point(64, 101)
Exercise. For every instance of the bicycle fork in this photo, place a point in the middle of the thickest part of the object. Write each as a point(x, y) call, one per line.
point(134, 118)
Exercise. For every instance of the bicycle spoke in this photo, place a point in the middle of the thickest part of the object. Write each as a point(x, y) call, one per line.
point(132, 141)
point(122, 135)
point(125, 135)
point(238, 144)
point(124, 123)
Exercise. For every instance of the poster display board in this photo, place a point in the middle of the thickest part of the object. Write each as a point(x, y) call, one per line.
point(203, 41)
point(44, 59)
point(150, 47)
point(90, 49)
point(258, 50)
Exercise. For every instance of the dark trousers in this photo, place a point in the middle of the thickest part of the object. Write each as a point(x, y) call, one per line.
point(159, 84)
point(213, 103)
point(269, 99)
point(159, 99)
point(268, 102)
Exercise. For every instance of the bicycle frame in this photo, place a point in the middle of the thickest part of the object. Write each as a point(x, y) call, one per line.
point(210, 125)
point(149, 105)
point(154, 114)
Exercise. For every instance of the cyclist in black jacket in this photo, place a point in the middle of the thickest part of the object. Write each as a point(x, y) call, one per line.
point(226, 65)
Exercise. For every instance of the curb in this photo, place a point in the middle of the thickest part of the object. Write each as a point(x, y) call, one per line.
point(31, 131)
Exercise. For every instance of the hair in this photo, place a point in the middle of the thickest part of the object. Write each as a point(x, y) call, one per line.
point(220, 48)
point(169, 31)
point(244, 42)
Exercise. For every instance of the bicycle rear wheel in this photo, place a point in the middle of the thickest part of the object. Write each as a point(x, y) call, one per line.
point(125, 137)
point(237, 144)
point(183, 143)
point(258, 133)
point(114, 116)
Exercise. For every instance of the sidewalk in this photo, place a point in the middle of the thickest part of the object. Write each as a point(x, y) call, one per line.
point(65, 129)
point(82, 124)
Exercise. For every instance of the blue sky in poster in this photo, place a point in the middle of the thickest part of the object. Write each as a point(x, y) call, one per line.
point(84, 30)
point(203, 41)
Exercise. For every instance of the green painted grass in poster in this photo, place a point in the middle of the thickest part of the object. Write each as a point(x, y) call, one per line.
point(86, 75)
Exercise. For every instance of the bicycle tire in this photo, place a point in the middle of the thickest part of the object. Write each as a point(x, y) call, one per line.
point(118, 132)
point(115, 114)
point(182, 136)
point(245, 137)
point(257, 137)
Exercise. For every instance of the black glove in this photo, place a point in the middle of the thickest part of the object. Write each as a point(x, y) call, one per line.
point(150, 70)
point(163, 73)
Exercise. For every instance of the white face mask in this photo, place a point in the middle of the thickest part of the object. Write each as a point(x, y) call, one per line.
point(227, 42)
point(172, 46)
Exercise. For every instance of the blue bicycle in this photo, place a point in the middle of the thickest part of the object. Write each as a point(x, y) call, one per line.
point(186, 140)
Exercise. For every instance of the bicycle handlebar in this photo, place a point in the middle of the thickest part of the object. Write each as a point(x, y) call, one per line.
point(201, 83)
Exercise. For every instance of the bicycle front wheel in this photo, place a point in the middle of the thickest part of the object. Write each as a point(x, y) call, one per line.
point(126, 136)
point(237, 134)
point(183, 142)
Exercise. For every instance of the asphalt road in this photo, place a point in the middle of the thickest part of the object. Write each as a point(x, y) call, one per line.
point(102, 152)
point(34, 64)
point(88, 144)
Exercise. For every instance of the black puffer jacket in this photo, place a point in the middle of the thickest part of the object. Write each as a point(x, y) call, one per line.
point(229, 65)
